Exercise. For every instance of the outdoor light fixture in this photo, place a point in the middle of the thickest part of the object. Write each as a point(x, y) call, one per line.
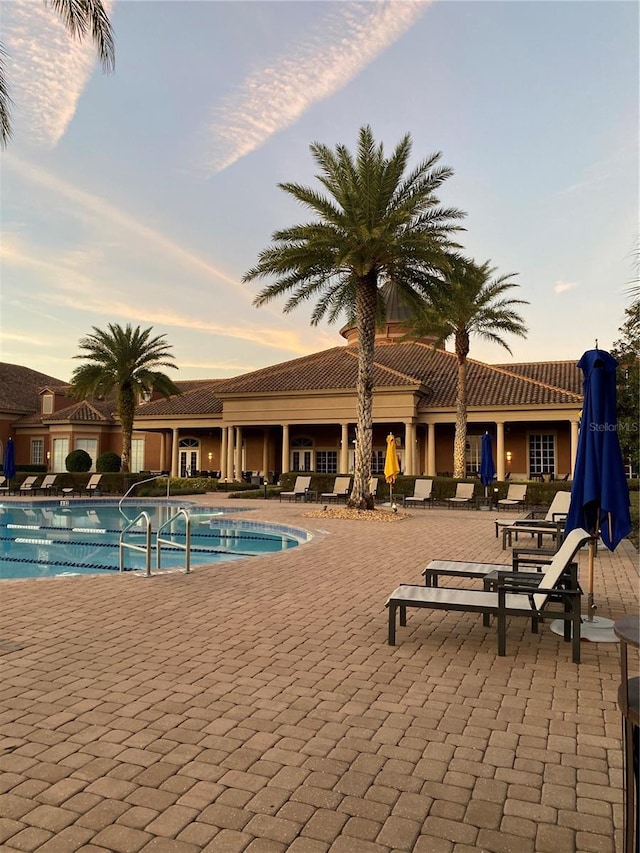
point(210, 456)
point(508, 456)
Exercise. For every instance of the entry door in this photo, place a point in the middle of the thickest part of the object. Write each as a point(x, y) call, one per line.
point(188, 462)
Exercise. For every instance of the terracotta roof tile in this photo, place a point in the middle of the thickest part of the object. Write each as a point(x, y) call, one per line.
point(559, 374)
point(19, 387)
point(396, 364)
point(198, 400)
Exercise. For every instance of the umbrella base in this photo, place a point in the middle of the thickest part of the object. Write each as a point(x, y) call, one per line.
point(598, 630)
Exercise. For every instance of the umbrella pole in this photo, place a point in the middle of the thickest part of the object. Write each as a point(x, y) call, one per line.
point(591, 607)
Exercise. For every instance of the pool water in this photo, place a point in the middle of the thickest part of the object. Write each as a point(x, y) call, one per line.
point(57, 538)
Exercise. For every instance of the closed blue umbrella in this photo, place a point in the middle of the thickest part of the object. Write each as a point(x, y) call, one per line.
point(487, 468)
point(599, 491)
point(9, 460)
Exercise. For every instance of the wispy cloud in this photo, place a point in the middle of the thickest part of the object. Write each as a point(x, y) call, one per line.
point(563, 286)
point(47, 69)
point(350, 38)
point(103, 210)
point(71, 289)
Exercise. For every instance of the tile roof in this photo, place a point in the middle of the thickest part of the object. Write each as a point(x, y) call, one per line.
point(83, 410)
point(19, 387)
point(197, 398)
point(396, 364)
point(560, 374)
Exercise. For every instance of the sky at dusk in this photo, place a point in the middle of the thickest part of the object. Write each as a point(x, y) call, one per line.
point(144, 196)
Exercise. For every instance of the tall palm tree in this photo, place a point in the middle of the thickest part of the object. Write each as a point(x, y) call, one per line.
point(467, 302)
point(125, 361)
point(375, 224)
point(80, 17)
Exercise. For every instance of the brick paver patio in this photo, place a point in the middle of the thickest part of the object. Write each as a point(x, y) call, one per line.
point(257, 706)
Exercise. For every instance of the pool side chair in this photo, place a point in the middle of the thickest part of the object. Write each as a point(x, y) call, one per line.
point(558, 509)
point(5, 486)
point(463, 495)
point(341, 488)
point(28, 485)
point(300, 486)
point(48, 485)
point(552, 594)
point(551, 525)
point(93, 485)
point(521, 560)
point(516, 496)
point(421, 493)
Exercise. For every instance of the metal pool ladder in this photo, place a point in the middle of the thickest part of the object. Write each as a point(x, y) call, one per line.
point(144, 549)
point(187, 542)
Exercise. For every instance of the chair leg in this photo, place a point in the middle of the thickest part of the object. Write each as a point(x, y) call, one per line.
point(403, 615)
point(392, 624)
point(502, 632)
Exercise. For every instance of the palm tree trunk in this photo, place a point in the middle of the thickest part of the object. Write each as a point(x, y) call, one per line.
point(460, 440)
point(366, 303)
point(126, 410)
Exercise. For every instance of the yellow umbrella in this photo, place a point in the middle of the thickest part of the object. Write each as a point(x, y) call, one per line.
point(391, 464)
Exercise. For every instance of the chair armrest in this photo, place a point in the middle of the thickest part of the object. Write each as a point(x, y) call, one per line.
point(519, 578)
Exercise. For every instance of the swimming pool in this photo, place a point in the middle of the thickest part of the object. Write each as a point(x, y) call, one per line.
point(60, 538)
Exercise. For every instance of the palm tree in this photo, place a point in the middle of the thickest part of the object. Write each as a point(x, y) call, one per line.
point(80, 17)
point(375, 224)
point(125, 361)
point(467, 302)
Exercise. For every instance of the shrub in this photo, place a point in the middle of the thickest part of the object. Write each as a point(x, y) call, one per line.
point(78, 462)
point(108, 463)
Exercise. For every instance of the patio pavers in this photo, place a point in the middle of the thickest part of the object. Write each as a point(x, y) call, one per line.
point(256, 706)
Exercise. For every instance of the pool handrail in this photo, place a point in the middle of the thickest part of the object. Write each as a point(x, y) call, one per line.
point(187, 544)
point(139, 483)
point(146, 550)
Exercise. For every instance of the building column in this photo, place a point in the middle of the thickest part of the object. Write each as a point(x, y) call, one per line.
point(162, 464)
point(265, 455)
point(575, 429)
point(410, 448)
point(431, 449)
point(238, 459)
point(500, 472)
point(231, 432)
point(344, 449)
point(174, 451)
point(285, 448)
point(224, 440)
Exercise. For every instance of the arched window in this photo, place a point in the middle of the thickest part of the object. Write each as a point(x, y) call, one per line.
point(302, 453)
point(189, 456)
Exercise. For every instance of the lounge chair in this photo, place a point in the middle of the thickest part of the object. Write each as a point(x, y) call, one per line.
point(300, 487)
point(93, 485)
point(516, 495)
point(464, 493)
point(5, 486)
point(373, 487)
point(522, 559)
point(518, 594)
point(551, 525)
point(27, 485)
point(48, 485)
point(341, 488)
point(421, 493)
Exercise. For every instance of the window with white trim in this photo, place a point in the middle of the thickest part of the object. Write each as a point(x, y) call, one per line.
point(47, 404)
point(302, 454)
point(327, 461)
point(37, 451)
point(90, 446)
point(542, 453)
point(136, 462)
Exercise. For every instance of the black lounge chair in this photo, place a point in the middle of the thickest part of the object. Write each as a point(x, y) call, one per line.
point(554, 593)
